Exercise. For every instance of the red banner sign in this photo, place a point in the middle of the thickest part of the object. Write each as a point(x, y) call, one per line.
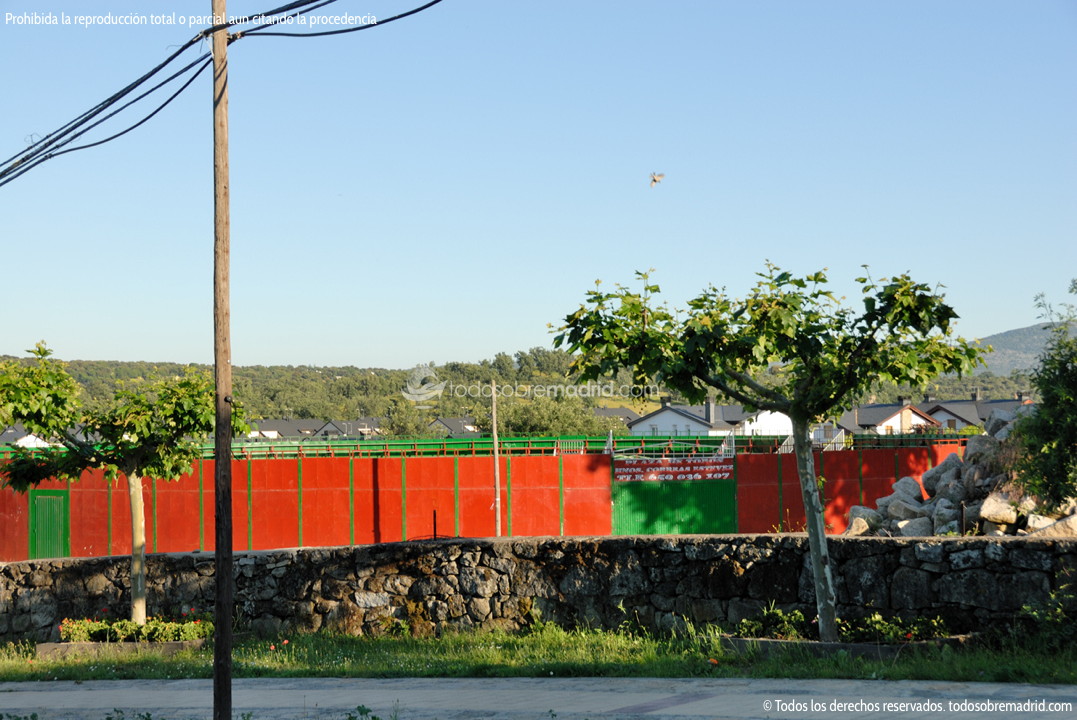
point(677, 469)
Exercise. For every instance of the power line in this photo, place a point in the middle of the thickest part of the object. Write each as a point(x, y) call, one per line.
point(51, 145)
point(29, 162)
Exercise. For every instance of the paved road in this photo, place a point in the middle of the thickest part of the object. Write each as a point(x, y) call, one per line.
point(539, 699)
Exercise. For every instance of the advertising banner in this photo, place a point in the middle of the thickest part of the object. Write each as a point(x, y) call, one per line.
point(675, 469)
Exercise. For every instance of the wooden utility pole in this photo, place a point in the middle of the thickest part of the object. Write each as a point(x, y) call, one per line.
point(497, 460)
point(222, 376)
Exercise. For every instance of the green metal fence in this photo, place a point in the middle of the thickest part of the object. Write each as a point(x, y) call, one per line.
point(670, 507)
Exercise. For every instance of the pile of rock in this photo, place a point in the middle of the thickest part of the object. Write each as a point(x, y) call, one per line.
point(973, 495)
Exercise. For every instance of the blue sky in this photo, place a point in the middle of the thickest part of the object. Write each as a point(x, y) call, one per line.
point(444, 187)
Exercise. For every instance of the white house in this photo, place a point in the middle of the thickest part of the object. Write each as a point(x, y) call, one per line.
point(710, 419)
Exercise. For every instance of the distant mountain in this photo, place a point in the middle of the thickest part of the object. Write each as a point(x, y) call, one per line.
point(1018, 349)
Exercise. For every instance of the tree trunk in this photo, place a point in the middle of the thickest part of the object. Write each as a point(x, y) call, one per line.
point(825, 600)
point(138, 549)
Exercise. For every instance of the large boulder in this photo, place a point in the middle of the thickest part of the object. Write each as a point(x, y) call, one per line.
point(996, 421)
point(999, 509)
point(916, 527)
point(1066, 527)
point(904, 508)
point(869, 516)
point(931, 478)
point(1038, 522)
point(909, 486)
point(980, 449)
point(952, 489)
point(857, 527)
point(945, 512)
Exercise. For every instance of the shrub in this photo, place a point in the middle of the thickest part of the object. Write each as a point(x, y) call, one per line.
point(156, 629)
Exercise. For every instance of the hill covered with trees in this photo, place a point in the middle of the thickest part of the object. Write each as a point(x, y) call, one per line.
point(536, 390)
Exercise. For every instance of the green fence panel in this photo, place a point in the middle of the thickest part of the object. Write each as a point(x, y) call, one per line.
point(674, 507)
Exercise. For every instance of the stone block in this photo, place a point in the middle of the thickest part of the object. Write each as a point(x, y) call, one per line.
point(911, 589)
point(996, 421)
point(999, 509)
point(857, 526)
point(370, 599)
point(909, 486)
point(966, 559)
point(1030, 558)
point(883, 503)
point(916, 527)
point(968, 588)
point(979, 448)
point(904, 508)
point(871, 517)
point(1038, 522)
point(945, 512)
point(931, 478)
point(952, 489)
point(1066, 527)
point(930, 552)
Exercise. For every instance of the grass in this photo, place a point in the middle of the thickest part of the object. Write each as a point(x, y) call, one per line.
point(547, 650)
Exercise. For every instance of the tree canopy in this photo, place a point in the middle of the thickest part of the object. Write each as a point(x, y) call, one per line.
point(820, 356)
point(151, 428)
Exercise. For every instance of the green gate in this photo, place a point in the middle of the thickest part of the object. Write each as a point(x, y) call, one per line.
point(672, 507)
point(49, 527)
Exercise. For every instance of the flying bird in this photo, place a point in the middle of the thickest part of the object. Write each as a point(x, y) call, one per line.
point(656, 178)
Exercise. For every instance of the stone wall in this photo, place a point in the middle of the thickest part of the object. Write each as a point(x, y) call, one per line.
point(426, 587)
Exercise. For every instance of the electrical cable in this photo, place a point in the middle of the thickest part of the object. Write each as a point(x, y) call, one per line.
point(25, 167)
point(49, 146)
point(53, 137)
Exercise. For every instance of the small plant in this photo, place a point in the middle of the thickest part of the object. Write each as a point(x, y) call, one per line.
point(877, 629)
point(775, 623)
point(781, 625)
point(1052, 623)
point(156, 629)
point(362, 712)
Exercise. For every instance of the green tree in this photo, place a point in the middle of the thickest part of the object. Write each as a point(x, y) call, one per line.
point(404, 419)
point(1047, 438)
point(548, 417)
point(151, 429)
point(822, 356)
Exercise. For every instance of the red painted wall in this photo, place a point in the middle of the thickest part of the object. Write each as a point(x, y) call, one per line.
point(14, 525)
point(309, 502)
point(587, 494)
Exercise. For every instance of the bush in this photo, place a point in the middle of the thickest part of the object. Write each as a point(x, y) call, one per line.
point(1047, 438)
point(156, 629)
point(778, 624)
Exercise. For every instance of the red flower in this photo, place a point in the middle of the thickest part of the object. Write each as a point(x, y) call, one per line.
point(908, 636)
point(272, 647)
point(284, 643)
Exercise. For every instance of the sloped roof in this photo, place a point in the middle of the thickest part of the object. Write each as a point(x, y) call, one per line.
point(974, 412)
point(12, 433)
point(624, 414)
point(289, 428)
point(723, 417)
point(457, 426)
point(873, 415)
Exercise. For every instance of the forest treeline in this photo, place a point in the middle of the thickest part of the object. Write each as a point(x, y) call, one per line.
point(537, 392)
